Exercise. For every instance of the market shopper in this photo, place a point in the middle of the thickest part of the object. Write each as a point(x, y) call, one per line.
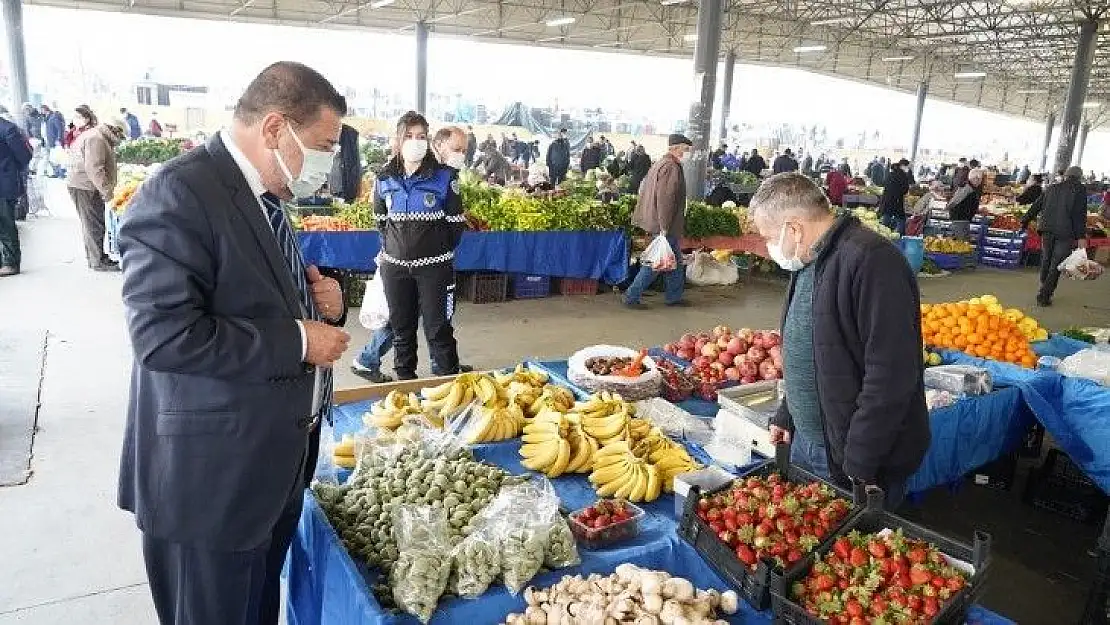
point(345, 177)
point(855, 400)
point(892, 204)
point(449, 146)
point(558, 158)
point(660, 210)
point(785, 163)
point(960, 174)
point(1032, 191)
point(15, 155)
point(591, 156)
point(755, 164)
point(134, 129)
point(639, 163)
point(471, 145)
point(155, 126)
point(964, 205)
point(836, 185)
point(91, 181)
point(233, 340)
point(55, 125)
point(420, 216)
point(1062, 223)
point(495, 165)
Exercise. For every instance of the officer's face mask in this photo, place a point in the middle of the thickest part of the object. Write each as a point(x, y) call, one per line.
point(315, 168)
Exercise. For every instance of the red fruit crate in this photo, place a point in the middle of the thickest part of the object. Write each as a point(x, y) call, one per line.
point(485, 287)
point(575, 286)
point(873, 519)
point(753, 586)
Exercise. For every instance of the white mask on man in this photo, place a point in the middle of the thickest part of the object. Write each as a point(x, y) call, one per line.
point(455, 159)
point(315, 167)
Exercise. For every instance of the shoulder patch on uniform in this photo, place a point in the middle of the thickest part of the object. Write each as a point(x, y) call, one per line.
point(389, 202)
point(429, 200)
point(455, 186)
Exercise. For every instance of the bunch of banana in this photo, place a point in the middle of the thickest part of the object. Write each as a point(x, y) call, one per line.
point(449, 396)
point(583, 447)
point(606, 417)
point(672, 461)
point(535, 379)
point(639, 428)
point(558, 398)
point(343, 455)
point(619, 473)
point(545, 447)
point(390, 412)
point(496, 424)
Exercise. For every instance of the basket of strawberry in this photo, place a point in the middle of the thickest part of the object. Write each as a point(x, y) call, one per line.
point(605, 522)
point(764, 524)
point(883, 569)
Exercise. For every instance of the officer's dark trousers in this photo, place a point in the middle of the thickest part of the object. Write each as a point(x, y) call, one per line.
point(421, 294)
point(193, 584)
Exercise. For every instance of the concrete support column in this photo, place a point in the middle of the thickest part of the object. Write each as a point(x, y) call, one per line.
point(17, 56)
point(1049, 124)
point(421, 67)
point(1077, 94)
point(726, 91)
point(706, 50)
point(922, 91)
point(1083, 130)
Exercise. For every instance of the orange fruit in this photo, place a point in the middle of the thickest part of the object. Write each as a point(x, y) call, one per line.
point(1028, 361)
point(960, 342)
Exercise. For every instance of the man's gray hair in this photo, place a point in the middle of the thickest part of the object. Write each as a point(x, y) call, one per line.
point(789, 193)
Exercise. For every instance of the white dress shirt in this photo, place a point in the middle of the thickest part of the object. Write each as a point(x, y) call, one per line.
point(254, 181)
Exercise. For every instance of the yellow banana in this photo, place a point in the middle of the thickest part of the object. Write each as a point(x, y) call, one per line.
point(654, 484)
point(438, 392)
point(629, 484)
point(609, 473)
point(542, 458)
point(619, 447)
point(608, 489)
point(560, 465)
point(538, 437)
point(638, 490)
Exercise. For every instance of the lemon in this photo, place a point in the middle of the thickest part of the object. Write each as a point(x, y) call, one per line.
point(994, 309)
point(1041, 335)
point(989, 299)
point(934, 359)
point(1015, 315)
point(975, 301)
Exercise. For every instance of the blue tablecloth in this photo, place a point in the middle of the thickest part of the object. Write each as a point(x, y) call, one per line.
point(584, 255)
point(1076, 412)
point(326, 587)
point(1059, 346)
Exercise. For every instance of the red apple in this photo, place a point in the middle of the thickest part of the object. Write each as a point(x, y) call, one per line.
point(725, 358)
point(749, 369)
point(768, 370)
point(771, 339)
point(737, 345)
point(775, 354)
point(739, 360)
point(700, 343)
point(701, 362)
point(756, 353)
point(748, 380)
point(710, 350)
point(685, 354)
point(732, 374)
point(745, 333)
point(687, 341)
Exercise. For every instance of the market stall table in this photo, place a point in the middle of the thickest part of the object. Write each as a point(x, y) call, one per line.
point(590, 255)
point(327, 587)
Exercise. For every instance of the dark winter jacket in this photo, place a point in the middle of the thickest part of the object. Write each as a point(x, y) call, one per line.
point(893, 200)
point(15, 154)
point(33, 124)
point(591, 158)
point(867, 354)
point(1029, 195)
point(964, 203)
point(755, 164)
point(346, 170)
point(1062, 210)
point(638, 166)
point(959, 176)
point(558, 155)
point(420, 217)
point(55, 129)
point(784, 164)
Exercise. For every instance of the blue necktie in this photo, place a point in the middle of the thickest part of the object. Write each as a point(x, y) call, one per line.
point(275, 214)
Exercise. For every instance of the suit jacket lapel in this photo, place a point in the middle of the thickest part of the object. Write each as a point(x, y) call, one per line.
point(247, 205)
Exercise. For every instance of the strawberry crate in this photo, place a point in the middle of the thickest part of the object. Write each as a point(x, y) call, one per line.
point(576, 286)
point(873, 519)
point(484, 287)
point(529, 286)
point(753, 586)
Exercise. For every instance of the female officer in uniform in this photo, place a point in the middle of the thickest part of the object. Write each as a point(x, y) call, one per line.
point(420, 217)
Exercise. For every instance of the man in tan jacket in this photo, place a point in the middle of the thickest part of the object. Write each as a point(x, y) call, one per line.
point(91, 179)
point(661, 209)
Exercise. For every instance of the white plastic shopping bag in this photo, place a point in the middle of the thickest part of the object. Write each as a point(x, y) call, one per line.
point(707, 271)
point(374, 313)
point(659, 255)
point(1078, 267)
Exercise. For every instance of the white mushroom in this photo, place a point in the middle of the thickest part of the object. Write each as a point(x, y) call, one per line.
point(730, 602)
point(653, 603)
point(535, 616)
point(678, 588)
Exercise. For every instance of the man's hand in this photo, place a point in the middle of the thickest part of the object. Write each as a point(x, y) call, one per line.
point(779, 435)
point(326, 343)
point(325, 292)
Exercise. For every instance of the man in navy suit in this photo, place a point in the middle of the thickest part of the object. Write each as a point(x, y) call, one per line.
point(233, 340)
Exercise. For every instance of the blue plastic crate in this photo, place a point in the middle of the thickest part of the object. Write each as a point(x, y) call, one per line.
point(1000, 252)
point(528, 286)
point(1001, 263)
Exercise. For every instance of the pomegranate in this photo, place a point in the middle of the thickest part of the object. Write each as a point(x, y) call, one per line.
point(768, 370)
point(701, 362)
point(670, 348)
point(745, 333)
point(722, 343)
point(710, 350)
point(687, 341)
point(725, 359)
point(771, 339)
point(739, 360)
point(720, 331)
point(699, 344)
point(737, 345)
point(749, 369)
point(756, 353)
point(732, 374)
point(685, 354)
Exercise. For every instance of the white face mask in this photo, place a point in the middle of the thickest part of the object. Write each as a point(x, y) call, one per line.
point(414, 150)
point(775, 250)
point(315, 168)
point(455, 159)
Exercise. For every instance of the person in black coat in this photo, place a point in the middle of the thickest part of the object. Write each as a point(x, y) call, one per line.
point(346, 172)
point(591, 157)
point(1031, 192)
point(558, 157)
point(15, 154)
point(1063, 225)
point(892, 204)
point(755, 164)
point(785, 163)
point(639, 164)
point(855, 402)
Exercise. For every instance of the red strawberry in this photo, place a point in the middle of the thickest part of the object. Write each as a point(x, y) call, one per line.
point(954, 583)
point(745, 554)
point(919, 575)
point(877, 549)
point(854, 608)
point(916, 555)
point(842, 547)
point(858, 557)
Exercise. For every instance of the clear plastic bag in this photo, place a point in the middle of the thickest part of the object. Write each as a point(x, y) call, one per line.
point(708, 271)
point(959, 379)
point(419, 576)
point(562, 550)
point(1078, 267)
point(374, 313)
point(475, 563)
point(520, 517)
point(1093, 364)
point(658, 255)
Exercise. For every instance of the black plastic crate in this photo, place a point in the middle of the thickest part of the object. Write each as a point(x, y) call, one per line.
point(1031, 445)
point(1060, 486)
point(485, 287)
point(528, 286)
point(997, 474)
point(1096, 610)
point(874, 519)
point(754, 587)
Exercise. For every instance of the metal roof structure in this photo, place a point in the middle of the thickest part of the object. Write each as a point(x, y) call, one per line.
point(1009, 56)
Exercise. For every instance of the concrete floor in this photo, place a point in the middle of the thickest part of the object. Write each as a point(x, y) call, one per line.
point(66, 550)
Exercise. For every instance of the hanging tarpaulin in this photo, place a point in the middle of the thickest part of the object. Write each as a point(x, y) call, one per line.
point(520, 115)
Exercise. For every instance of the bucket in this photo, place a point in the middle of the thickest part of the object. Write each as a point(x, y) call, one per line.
point(913, 248)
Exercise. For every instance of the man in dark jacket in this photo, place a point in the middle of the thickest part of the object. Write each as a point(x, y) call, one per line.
point(558, 158)
point(855, 401)
point(134, 129)
point(1030, 193)
point(15, 154)
point(346, 171)
point(639, 163)
point(785, 163)
point(892, 204)
point(591, 157)
point(471, 145)
point(716, 155)
point(55, 127)
point(755, 164)
point(32, 121)
point(959, 175)
point(1062, 224)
